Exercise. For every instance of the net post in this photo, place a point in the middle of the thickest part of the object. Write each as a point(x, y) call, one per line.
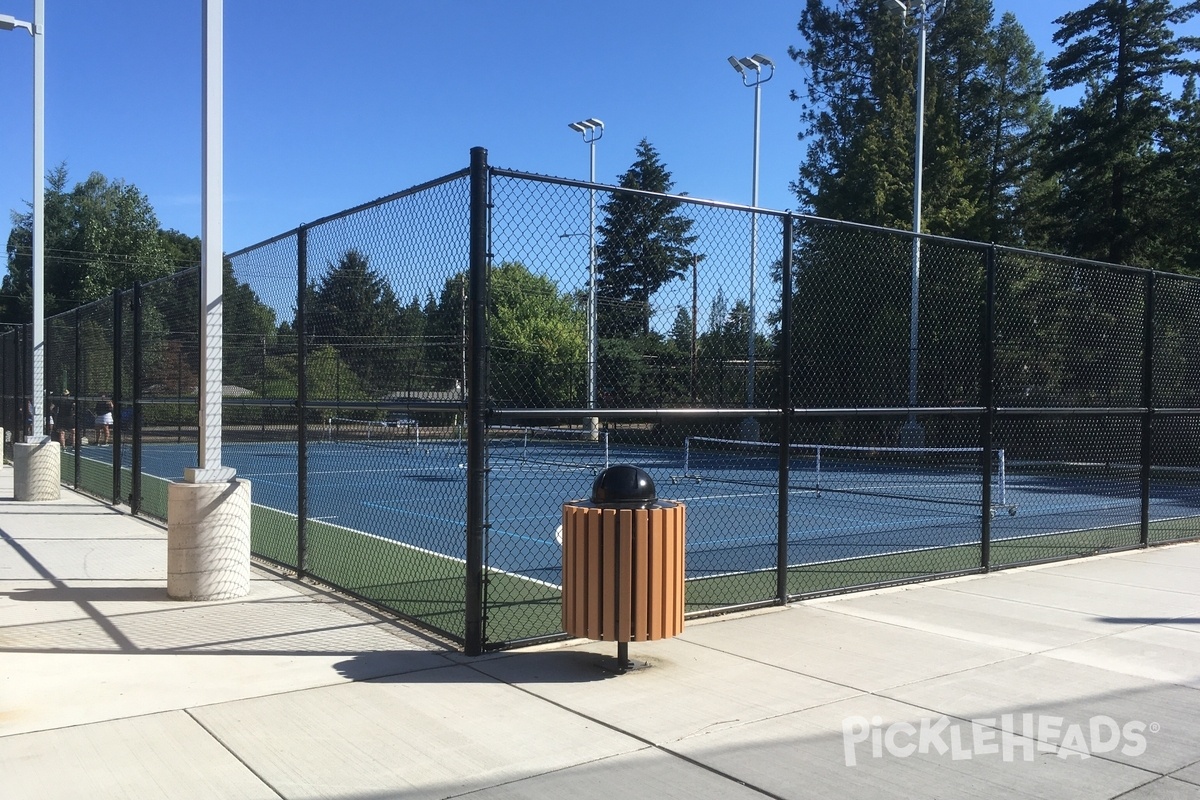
point(1002, 478)
point(817, 447)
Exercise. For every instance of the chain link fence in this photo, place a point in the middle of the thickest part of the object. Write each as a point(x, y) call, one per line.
point(415, 386)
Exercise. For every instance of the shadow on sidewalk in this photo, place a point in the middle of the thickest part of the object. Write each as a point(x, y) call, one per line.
point(564, 666)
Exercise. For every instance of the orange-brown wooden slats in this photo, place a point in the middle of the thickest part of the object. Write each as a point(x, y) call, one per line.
point(631, 522)
point(640, 613)
point(623, 573)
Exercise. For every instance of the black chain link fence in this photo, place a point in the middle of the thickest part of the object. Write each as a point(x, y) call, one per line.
point(838, 406)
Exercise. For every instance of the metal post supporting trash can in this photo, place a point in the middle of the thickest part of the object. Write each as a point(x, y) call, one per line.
point(623, 570)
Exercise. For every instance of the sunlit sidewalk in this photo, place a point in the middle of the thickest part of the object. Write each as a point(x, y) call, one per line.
point(1076, 679)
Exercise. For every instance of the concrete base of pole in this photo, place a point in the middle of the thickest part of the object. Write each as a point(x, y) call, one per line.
point(208, 540)
point(37, 471)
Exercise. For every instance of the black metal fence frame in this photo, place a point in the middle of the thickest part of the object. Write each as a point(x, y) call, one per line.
point(480, 412)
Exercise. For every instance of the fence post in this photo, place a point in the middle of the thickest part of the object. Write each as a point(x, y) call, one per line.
point(79, 408)
point(118, 368)
point(135, 465)
point(785, 407)
point(5, 366)
point(1147, 453)
point(18, 424)
point(987, 399)
point(22, 401)
point(301, 403)
point(476, 404)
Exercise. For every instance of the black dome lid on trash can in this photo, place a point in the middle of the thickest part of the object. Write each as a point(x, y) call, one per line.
point(624, 484)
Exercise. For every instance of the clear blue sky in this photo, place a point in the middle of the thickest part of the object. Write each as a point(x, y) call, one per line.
point(328, 105)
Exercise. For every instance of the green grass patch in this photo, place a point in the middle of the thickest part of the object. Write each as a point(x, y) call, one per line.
point(847, 574)
point(430, 587)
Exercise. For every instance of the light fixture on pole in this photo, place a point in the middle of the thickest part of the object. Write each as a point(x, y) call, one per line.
point(923, 13)
point(744, 66)
point(37, 288)
point(592, 130)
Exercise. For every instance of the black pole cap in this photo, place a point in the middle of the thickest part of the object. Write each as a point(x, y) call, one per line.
point(624, 484)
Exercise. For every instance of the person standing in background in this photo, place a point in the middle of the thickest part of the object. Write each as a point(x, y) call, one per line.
point(104, 420)
point(65, 426)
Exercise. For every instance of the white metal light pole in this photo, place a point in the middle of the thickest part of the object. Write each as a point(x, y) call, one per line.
point(592, 130)
point(756, 63)
point(924, 13)
point(37, 287)
point(208, 513)
point(211, 250)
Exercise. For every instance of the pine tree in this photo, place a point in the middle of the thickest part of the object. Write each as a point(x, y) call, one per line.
point(856, 113)
point(1017, 116)
point(1182, 155)
point(643, 244)
point(984, 111)
point(354, 309)
point(1106, 147)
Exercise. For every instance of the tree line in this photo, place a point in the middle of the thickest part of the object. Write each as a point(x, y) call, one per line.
point(1114, 175)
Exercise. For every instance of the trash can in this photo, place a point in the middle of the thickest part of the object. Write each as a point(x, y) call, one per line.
point(623, 562)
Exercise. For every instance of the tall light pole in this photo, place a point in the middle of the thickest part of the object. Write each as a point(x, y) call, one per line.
point(923, 13)
point(592, 130)
point(212, 167)
point(744, 66)
point(37, 30)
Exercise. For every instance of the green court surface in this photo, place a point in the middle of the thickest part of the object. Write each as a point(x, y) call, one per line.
point(428, 586)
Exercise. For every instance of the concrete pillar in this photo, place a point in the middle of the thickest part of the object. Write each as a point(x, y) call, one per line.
point(37, 468)
point(208, 540)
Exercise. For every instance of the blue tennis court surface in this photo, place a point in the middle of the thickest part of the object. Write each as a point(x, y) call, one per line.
point(415, 494)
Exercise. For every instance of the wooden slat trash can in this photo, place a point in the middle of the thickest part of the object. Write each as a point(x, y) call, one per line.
point(623, 562)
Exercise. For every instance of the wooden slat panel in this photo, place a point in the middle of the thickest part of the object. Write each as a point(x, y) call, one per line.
point(623, 572)
point(681, 545)
point(568, 576)
point(656, 587)
point(668, 578)
point(595, 564)
point(631, 522)
point(588, 532)
point(640, 630)
point(608, 548)
point(671, 578)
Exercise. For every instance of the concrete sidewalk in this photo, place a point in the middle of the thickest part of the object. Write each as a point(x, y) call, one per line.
point(1079, 679)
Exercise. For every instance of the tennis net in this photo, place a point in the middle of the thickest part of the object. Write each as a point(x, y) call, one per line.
point(942, 475)
point(374, 433)
point(561, 448)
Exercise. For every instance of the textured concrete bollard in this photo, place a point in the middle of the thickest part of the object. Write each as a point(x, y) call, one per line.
point(37, 468)
point(208, 540)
